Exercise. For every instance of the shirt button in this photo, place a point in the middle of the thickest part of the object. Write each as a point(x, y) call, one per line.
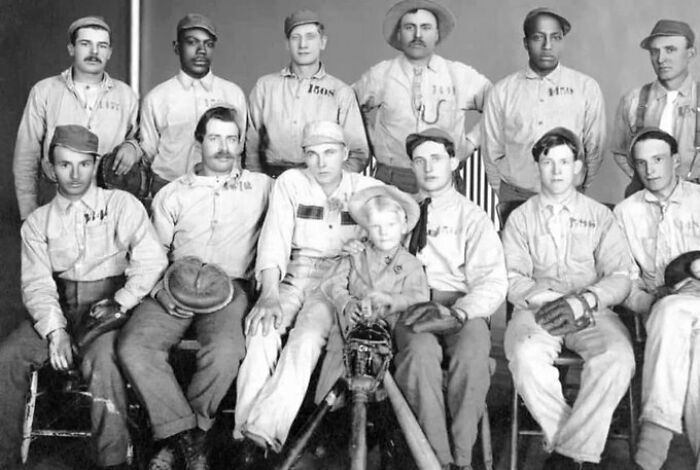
point(330, 226)
point(539, 123)
point(213, 222)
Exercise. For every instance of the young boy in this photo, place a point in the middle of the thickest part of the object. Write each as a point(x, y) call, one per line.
point(384, 275)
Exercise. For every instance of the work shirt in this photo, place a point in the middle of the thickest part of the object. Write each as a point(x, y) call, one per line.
point(106, 233)
point(356, 275)
point(280, 106)
point(684, 116)
point(523, 106)
point(55, 101)
point(217, 219)
point(170, 113)
point(657, 232)
point(464, 254)
point(565, 248)
point(303, 221)
point(391, 112)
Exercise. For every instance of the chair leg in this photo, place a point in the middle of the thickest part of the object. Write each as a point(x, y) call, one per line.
point(633, 425)
point(29, 416)
point(514, 428)
point(486, 448)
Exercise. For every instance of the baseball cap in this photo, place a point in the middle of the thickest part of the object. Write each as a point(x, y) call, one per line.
point(322, 132)
point(76, 138)
point(85, 21)
point(195, 20)
point(562, 132)
point(669, 28)
point(533, 14)
point(433, 134)
point(299, 17)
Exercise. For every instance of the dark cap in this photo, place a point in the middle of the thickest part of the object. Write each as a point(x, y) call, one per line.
point(564, 134)
point(299, 18)
point(669, 28)
point(434, 134)
point(195, 20)
point(445, 19)
point(533, 14)
point(76, 138)
point(88, 21)
point(651, 132)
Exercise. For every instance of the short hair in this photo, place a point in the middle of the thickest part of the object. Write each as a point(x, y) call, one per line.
point(530, 23)
point(654, 134)
point(384, 204)
point(222, 113)
point(413, 144)
point(551, 140)
point(74, 34)
point(321, 28)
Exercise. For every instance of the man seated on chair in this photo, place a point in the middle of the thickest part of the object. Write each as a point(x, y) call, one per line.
point(662, 222)
point(88, 244)
point(304, 232)
point(463, 260)
point(213, 213)
point(568, 264)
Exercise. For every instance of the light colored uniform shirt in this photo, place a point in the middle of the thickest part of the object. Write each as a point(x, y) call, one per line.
point(523, 106)
point(282, 103)
point(576, 246)
point(356, 275)
point(464, 254)
point(217, 219)
point(657, 233)
point(449, 89)
point(684, 117)
point(170, 113)
point(55, 101)
point(303, 221)
point(106, 233)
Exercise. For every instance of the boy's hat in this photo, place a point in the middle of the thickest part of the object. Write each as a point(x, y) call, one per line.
point(360, 198)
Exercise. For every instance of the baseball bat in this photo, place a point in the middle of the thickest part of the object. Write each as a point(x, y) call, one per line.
point(415, 438)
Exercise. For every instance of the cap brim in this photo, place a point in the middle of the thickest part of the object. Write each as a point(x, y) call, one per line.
point(360, 198)
point(320, 140)
point(446, 19)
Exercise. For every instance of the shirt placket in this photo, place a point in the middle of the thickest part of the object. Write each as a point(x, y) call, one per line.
point(299, 104)
point(214, 225)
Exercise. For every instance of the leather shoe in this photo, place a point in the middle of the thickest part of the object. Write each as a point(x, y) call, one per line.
point(191, 445)
point(250, 455)
point(557, 461)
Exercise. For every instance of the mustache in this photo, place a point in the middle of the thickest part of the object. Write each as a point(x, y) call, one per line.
point(223, 155)
point(93, 58)
point(417, 42)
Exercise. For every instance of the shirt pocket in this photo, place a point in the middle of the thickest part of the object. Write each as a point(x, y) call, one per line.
point(99, 241)
point(581, 249)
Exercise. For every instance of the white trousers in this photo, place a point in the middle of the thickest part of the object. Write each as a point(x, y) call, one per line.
point(270, 392)
point(579, 432)
point(671, 373)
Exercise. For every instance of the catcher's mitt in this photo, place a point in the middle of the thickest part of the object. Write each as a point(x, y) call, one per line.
point(91, 327)
point(197, 286)
point(134, 182)
point(679, 269)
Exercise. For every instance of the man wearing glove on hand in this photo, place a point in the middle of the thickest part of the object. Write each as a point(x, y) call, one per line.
point(87, 245)
point(661, 222)
point(463, 260)
point(567, 264)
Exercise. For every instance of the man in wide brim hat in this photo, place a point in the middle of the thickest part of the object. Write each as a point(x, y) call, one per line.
point(445, 19)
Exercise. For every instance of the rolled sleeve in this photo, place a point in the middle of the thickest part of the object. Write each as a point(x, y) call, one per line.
point(148, 132)
point(594, 129)
point(613, 263)
point(622, 132)
point(492, 143)
point(275, 243)
point(351, 120)
point(27, 156)
point(255, 122)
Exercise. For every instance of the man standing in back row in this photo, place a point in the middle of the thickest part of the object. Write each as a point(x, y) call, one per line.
point(417, 90)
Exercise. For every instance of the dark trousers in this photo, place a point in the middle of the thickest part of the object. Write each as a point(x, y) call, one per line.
point(24, 349)
point(144, 346)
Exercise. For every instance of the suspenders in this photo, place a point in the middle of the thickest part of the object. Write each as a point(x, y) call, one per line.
point(641, 112)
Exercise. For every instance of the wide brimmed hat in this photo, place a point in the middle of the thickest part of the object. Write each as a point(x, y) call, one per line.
point(134, 182)
point(359, 199)
point(197, 286)
point(445, 19)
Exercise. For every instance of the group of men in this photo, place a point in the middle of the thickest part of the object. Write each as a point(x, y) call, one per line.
point(261, 189)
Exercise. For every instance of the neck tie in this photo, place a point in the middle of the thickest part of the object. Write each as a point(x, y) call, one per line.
point(419, 236)
point(417, 90)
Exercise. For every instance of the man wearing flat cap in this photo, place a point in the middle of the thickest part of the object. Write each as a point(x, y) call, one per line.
point(213, 213)
point(524, 105)
point(568, 264)
point(84, 94)
point(170, 112)
point(661, 223)
point(87, 245)
point(417, 89)
point(306, 227)
point(282, 103)
point(462, 256)
point(670, 102)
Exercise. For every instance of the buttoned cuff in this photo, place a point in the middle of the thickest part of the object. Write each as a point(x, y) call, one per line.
point(126, 299)
point(461, 314)
point(53, 320)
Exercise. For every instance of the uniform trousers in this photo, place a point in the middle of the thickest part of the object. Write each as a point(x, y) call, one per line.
point(578, 432)
point(24, 350)
point(271, 391)
point(144, 347)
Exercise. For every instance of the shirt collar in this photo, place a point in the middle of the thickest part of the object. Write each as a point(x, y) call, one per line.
point(88, 200)
point(67, 76)
point(567, 204)
point(676, 196)
point(434, 64)
point(186, 81)
point(194, 179)
point(320, 73)
point(685, 90)
point(553, 76)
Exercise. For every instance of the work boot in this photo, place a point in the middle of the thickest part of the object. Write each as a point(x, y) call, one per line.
point(164, 459)
point(191, 445)
point(557, 461)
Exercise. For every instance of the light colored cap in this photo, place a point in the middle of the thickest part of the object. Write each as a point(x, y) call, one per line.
point(322, 132)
